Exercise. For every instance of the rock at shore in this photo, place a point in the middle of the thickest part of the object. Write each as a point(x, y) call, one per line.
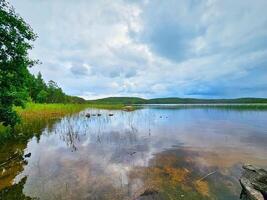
point(254, 183)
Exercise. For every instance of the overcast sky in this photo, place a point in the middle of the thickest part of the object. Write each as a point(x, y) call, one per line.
point(151, 48)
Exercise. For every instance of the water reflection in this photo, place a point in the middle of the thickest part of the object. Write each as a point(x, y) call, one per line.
point(148, 153)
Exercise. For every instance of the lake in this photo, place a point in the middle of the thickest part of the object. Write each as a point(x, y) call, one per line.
point(156, 152)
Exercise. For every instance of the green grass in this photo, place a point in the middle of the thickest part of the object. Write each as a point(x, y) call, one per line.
point(34, 117)
point(37, 110)
point(33, 110)
point(5, 133)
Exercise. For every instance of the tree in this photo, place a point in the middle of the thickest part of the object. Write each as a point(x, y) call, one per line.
point(35, 85)
point(15, 41)
point(55, 93)
point(42, 96)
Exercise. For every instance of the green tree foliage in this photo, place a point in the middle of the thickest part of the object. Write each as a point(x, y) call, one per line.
point(35, 86)
point(15, 41)
point(40, 92)
point(55, 93)
point(42, 96)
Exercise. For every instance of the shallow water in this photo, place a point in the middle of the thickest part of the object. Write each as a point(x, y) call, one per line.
point(154, 152)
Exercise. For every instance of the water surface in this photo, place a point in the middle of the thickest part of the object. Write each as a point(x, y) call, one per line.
point(150, 153)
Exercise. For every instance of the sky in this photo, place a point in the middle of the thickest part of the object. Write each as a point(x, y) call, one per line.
point(151, 48)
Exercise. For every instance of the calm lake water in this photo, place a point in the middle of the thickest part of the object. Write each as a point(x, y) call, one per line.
point(150, 153)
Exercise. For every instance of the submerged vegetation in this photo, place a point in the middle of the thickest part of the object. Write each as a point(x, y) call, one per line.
point(173, 174)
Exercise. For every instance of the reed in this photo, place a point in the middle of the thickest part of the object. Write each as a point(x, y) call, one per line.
point(35, 111)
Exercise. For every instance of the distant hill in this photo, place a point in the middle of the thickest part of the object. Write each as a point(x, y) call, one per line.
point(119, 100)
point(174, 100)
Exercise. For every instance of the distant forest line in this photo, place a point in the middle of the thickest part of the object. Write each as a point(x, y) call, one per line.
point(175, 100)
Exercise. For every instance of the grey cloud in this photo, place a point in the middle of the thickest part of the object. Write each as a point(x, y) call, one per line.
point(151, 48)
point(79, 70)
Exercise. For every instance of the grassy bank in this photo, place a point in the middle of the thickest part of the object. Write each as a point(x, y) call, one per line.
point(38, 115)
point(33, 110)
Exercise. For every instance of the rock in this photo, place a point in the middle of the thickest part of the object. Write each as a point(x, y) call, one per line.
point(132, 153)
point(98, 114)
point(28, 155)
point(254, 183)
point(88, 115)
point(110, 114)
point(149, 194)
